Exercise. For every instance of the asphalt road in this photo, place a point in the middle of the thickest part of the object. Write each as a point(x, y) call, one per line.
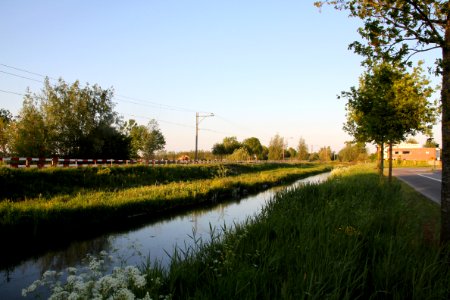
point(424, 180)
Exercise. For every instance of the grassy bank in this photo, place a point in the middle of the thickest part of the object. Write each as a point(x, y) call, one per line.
point(92, 210)
point(19, 184)
point(352, 237)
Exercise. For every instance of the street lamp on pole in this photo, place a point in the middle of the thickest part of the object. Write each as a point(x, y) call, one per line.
point(198, 119)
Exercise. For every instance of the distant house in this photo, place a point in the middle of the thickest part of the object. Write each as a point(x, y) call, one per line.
point(405, 151)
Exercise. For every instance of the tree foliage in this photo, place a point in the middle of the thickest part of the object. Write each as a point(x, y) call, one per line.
point(151, 139)
point(5, 124)
point(69, 121)
point(353, 152)
point(412, 141)
point(389, 105)
point(240, 154)
point(302, 150)
point(325, 154)
point(228, 145)
point(276, 148)
point(397, 30)
point(30, 135)
point(253, 146)
point(431, 143)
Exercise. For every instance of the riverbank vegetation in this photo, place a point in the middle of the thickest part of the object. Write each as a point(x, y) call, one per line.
point(100, 208)
point(20, 184)
point(354, 236)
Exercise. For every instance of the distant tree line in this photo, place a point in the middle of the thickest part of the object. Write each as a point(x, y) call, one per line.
point(252, 149)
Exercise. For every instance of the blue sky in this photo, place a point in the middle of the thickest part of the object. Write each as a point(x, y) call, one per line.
point(262, 67)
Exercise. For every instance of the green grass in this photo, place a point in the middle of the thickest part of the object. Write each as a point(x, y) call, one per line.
point(353, 237)
point(19, 184)
point(92, 209)
point(412, 164)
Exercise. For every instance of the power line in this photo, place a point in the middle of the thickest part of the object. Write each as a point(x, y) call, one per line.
point(152, 104)
point(26, 71)
point(12, 74)
point(117, 97)
point(14, 93)
point(162, 121)
point(163, 106)
point(235, 124)
point(177, 124)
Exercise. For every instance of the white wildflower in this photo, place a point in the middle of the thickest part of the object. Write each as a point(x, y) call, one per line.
point(124, 294)
point(91, 283)
point(147, 297)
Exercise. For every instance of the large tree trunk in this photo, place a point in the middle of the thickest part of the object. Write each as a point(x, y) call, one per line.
point(381, 170)
point(378, 156)
point(390, 161)
point(445, 98)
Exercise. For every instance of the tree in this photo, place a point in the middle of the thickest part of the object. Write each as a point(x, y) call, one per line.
point(228, 145)
point(412, 141)
point(240, 154)
point(265, 153)
point(218, 149)
point(389, 105)
point(302, 150)
point(5, 123)
point(253, 146)
point(398, 30)
point(325, 154)
point(76, 117)
point(276, 148)
point(152, 140)
point(69, 121)
point(29, 135)
point(291, 153)
point(431, 143)
point(136, 133)
point(353, 152)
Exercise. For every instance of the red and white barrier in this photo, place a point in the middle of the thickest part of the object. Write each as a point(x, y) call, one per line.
point(27, 162)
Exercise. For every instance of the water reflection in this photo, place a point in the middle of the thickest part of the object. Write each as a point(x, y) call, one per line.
point(156, 240)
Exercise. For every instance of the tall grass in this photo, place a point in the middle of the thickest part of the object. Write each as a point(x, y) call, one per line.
point(353, 237)
point(19, 184)
point(92, 209)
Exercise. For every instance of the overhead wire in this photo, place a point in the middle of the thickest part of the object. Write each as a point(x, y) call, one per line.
point(12, 74)
point(10, 92)
point(118, 97)
point(26, 71)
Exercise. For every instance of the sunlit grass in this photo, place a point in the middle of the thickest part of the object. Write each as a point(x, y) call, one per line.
point(103, 206)
point(353, 237)
point(19, 184)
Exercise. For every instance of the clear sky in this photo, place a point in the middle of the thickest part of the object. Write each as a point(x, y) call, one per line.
point(262, 67)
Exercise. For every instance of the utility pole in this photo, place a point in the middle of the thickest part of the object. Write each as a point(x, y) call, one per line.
point(198, 119)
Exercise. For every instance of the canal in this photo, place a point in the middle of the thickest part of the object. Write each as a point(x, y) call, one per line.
point(155, 241)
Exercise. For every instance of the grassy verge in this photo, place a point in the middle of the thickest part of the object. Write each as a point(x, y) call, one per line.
point(355, 236)
point(100, 209)
point(19, 184)
point(412, 164)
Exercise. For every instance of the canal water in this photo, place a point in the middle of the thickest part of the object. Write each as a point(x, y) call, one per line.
point(155, 241)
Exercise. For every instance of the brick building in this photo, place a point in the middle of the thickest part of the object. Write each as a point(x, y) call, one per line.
point(406, 151)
